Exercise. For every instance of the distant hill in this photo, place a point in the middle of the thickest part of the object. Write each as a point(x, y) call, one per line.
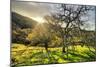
point(22, 21)
point(21, 27)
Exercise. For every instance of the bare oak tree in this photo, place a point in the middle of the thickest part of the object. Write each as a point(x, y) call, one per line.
point(69, 18)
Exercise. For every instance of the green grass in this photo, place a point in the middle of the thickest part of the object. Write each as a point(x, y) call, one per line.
point(22, 55)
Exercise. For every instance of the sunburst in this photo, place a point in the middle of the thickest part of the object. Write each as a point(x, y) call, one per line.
point(40, 20)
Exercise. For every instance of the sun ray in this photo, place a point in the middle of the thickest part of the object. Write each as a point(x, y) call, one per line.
point(40, 20)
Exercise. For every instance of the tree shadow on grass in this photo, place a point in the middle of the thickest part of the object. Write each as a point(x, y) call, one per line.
point(56, 57)
point(92, 55)
point(76, 57)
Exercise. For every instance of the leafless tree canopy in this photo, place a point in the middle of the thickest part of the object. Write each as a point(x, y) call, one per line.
point(68, 18)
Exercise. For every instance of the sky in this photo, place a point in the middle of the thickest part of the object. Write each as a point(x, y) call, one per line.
point(37, 11)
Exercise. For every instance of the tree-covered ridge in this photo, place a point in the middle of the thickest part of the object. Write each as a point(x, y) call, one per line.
point(22, 21)
point(21, 26)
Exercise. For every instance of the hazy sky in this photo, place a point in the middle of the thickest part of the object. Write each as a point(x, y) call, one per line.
point(33, 10)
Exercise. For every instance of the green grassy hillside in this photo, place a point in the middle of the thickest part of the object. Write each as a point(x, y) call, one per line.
point(28, 55)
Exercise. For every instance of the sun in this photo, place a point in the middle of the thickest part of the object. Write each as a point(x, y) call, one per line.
point(39, 19)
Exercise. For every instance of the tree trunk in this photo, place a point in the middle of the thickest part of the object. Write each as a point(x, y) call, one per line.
point(46, 47)
point(63, 50)
point(67, 51)
point(73, 48)
point(64, 44)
